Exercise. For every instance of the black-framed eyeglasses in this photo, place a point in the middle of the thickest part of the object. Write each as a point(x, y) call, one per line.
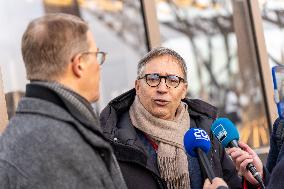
point(154, 79)
point(100, 55)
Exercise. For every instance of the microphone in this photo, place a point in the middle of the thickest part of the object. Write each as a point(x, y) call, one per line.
point(197, 144)
point(227, 134)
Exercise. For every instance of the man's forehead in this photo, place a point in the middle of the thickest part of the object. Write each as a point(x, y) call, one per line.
point(164, 66)
point(163, 62)
point(165, 58)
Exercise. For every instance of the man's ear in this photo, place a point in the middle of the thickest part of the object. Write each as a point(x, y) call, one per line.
point(77, 65)
point(137, 86)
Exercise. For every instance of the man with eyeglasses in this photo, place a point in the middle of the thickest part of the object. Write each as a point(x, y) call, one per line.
point(146, 126)
point(54, 140)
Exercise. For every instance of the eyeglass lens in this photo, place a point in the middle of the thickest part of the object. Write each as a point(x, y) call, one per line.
point(100, 58)
point(154, 80)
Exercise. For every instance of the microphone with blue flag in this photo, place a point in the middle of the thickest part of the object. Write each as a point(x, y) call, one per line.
point(197, 144)
point(227, 134)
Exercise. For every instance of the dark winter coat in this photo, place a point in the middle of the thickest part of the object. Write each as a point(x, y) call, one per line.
point(49, 145)
point(137, 158)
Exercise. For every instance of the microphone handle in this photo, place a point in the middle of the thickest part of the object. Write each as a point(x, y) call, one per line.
point(233, 143)
point(255, 174)
point(205, 164)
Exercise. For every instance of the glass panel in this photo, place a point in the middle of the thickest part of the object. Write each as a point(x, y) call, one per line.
point(273, 24)
point(117, 26)
point(202, 31)
point(119, 30)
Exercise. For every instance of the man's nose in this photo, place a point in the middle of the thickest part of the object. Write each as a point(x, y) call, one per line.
point(162, 87)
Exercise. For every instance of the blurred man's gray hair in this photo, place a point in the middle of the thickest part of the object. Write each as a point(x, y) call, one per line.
point(158, 52)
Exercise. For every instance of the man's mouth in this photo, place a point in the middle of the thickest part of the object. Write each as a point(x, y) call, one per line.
point(161, 102)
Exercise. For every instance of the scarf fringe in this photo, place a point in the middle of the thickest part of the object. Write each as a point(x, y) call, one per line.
point(169, 172)
point(181, 182)
point(168, 167)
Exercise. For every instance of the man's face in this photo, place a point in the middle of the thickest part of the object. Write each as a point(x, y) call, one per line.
point(91, 79)
point(161, 101)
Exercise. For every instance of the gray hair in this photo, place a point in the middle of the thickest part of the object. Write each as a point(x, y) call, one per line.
point(50, 42)
point(158, 52)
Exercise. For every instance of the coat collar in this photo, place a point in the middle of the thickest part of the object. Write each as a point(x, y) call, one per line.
point(44, 101)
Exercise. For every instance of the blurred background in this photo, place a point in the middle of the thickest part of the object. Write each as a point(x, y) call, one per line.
point(229, 47)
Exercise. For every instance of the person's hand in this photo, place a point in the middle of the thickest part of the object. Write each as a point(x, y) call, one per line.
point(242, 157)
point(216, 182)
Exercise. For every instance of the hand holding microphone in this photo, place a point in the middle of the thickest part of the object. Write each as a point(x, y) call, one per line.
point(243, 156)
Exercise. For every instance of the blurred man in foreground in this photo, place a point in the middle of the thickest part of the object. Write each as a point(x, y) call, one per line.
point(54, 140)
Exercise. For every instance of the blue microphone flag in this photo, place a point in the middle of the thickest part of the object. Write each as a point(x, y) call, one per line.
point(225, 131)
point(196, 138)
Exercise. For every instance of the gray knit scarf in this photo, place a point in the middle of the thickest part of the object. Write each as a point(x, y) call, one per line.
point(77, 101)
point(172, 159)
